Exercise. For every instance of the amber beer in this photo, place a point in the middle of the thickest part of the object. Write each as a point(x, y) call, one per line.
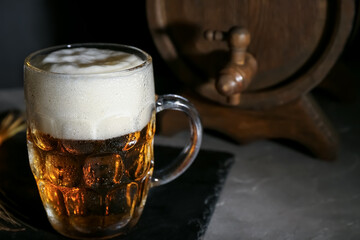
point(90, 184)
point(90, 127)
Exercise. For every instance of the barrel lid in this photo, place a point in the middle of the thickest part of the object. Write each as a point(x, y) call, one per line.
point(295, 43)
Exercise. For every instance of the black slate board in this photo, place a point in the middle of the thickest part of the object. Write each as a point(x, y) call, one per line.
point(178, 210)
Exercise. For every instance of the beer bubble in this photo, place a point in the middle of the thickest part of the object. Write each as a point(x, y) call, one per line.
point(62, 170)
point(103, 170)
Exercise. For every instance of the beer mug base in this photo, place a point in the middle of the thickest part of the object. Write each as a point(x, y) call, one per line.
point(82, 232)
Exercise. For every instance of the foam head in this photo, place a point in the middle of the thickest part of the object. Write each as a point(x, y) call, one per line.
point(89, 92)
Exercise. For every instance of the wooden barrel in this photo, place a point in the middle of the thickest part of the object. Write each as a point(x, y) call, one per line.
point(261, 57)
point(295, 43)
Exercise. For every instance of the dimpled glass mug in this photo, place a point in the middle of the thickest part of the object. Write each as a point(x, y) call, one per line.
point(90, 128)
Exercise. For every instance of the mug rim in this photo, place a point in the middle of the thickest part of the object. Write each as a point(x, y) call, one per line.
point(147, 59)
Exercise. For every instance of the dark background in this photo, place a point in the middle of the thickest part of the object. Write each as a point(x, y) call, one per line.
point(29, 25)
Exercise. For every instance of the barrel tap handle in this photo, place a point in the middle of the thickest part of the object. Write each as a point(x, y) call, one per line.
point(237, 74)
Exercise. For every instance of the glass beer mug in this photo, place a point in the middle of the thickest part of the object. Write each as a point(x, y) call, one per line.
point(90, 128)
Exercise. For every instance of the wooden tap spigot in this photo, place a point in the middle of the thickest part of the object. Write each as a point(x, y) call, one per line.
point(242, 66)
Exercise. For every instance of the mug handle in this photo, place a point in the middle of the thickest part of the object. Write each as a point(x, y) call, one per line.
point(191, 149)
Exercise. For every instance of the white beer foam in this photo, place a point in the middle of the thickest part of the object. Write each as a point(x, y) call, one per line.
point(89, 60)
point(105, 104)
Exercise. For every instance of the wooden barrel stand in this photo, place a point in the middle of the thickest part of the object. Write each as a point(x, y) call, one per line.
point(301, 121)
